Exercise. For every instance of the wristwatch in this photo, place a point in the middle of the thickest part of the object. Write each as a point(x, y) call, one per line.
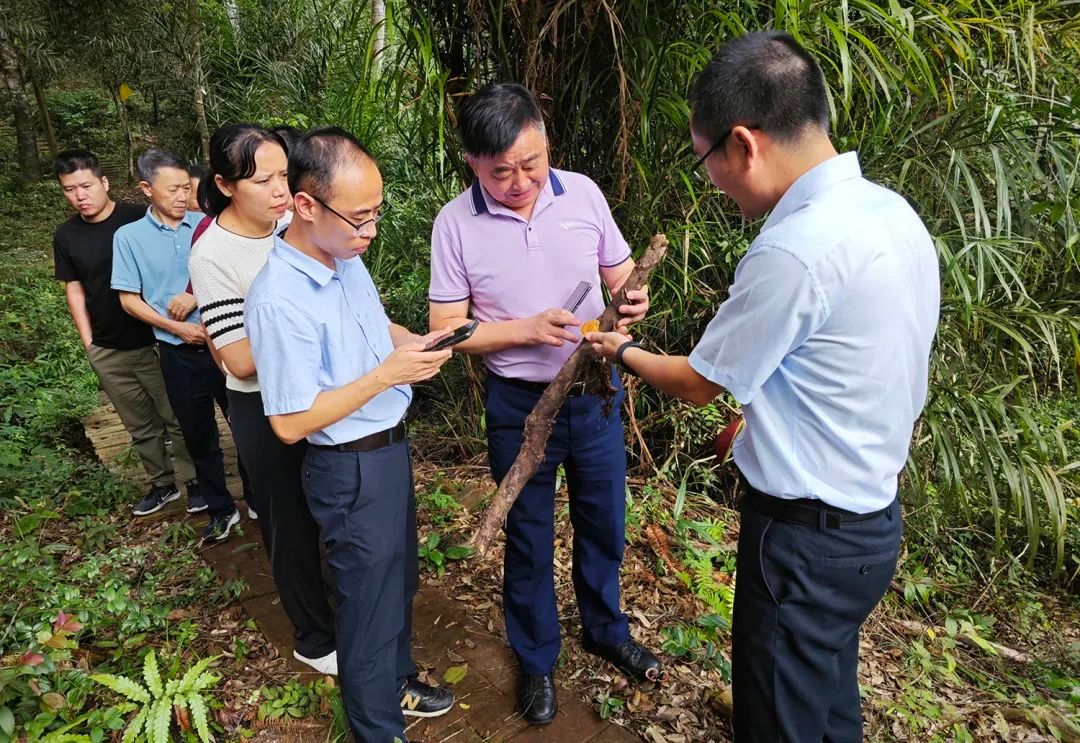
point(619, 356)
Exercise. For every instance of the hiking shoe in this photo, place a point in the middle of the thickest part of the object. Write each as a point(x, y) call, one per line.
point(195, 502)
point(219, 527)
point(421, 700)
point(326, 665)
point(156, 499)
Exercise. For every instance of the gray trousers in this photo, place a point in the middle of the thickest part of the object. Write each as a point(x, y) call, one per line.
point(133, 382)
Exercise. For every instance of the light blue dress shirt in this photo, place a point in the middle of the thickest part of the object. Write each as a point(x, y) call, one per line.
point(825, 340)
point(313, 329)
point(151, 258)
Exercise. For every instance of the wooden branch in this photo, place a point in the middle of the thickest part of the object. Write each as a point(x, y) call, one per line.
point(542, 418)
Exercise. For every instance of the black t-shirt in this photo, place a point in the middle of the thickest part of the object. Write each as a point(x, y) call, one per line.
point(83, 252)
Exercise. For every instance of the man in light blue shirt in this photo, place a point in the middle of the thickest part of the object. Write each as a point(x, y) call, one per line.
point(825, 341)
point(150, 272)
point(335, 370)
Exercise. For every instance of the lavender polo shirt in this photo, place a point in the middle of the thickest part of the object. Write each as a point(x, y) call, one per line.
point(510, 268)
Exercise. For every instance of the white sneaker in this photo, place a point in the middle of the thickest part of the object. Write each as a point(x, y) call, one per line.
point(326, 665)
point(251, 513)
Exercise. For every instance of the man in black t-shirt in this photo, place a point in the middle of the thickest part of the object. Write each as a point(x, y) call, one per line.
point(121, 350)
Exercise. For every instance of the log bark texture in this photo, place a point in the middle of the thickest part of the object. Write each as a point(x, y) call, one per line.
point(542, 418)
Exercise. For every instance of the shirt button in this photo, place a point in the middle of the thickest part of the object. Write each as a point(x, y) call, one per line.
point(864, 570)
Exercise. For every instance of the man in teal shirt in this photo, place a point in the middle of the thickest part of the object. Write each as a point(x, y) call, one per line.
point(150, 271)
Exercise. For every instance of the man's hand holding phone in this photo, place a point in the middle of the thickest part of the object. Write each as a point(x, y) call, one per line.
point(410, 363)
point(440, 339)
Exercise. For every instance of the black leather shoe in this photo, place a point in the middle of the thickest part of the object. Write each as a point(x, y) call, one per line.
point(630, 657)
point(537, 699)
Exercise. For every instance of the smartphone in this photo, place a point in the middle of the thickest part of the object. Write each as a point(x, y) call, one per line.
point(461, 334)
point(577, 296)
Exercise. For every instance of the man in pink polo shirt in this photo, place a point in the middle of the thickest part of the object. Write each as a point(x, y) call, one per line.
point(510, 251)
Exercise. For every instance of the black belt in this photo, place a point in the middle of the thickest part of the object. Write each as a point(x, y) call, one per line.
point(806, 511)
point(189, 347)
point(371, 442)
point(576, 389)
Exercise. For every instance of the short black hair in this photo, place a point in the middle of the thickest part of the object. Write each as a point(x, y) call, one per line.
point(315, 157)
point(232, 156)
point(70, 161)
point(194, 170)
point(288, 134)
point(763, 79)
point(492, 118)
point(156, 158)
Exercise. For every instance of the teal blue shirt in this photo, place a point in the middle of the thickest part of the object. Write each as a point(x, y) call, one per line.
point(151, 258)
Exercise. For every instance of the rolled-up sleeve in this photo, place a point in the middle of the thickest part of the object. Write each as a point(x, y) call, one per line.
point(775, 303)
point(287, 352)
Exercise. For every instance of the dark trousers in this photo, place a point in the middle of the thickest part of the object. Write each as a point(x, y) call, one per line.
point(803, 593)
point(221, 394)
point(591, 448)
point(193, 383)
point(366, 507)
point(289, 532)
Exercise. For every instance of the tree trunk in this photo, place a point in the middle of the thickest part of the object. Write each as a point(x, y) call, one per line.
point(46, 119)
point(378, 20)
point(538, 424)
point(25, 134)
point(125, 125)
point(232, 10)
point(197, 73)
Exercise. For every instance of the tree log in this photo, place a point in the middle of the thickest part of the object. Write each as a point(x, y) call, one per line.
point(542, 418)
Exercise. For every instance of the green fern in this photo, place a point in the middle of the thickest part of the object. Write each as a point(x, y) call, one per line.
point(159, 697)
point(160, 720)
point(720, 598)
point(135, 727)
point(151, 675)
point(199, 716)
point(187, 683)
point(123, 686)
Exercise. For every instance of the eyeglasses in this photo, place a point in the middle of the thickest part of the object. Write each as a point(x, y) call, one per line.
point(357, 227)
point(719, 143)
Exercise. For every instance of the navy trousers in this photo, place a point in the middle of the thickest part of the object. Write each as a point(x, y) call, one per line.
point(365, 505)
point(592, 450)
point(193, 383)
point(802, 594)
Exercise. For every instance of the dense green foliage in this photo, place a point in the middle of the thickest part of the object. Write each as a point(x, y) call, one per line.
point(971, 110)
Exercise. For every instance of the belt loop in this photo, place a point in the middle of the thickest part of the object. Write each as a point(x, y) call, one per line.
point(823, 518)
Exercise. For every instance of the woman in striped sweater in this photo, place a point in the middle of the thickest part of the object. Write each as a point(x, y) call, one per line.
point(246, 192)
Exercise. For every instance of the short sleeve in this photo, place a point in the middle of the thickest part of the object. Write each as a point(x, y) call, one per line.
point(613, 248)
point(221, 301)
point(125, 269)
point(287, 352)
point(64, 268)
point(775, 304)
point(449, 281)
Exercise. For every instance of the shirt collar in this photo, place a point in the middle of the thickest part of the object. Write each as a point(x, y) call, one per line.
point(190, 219)
point(482, 203)
point(834, 170)
point(305, 264)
